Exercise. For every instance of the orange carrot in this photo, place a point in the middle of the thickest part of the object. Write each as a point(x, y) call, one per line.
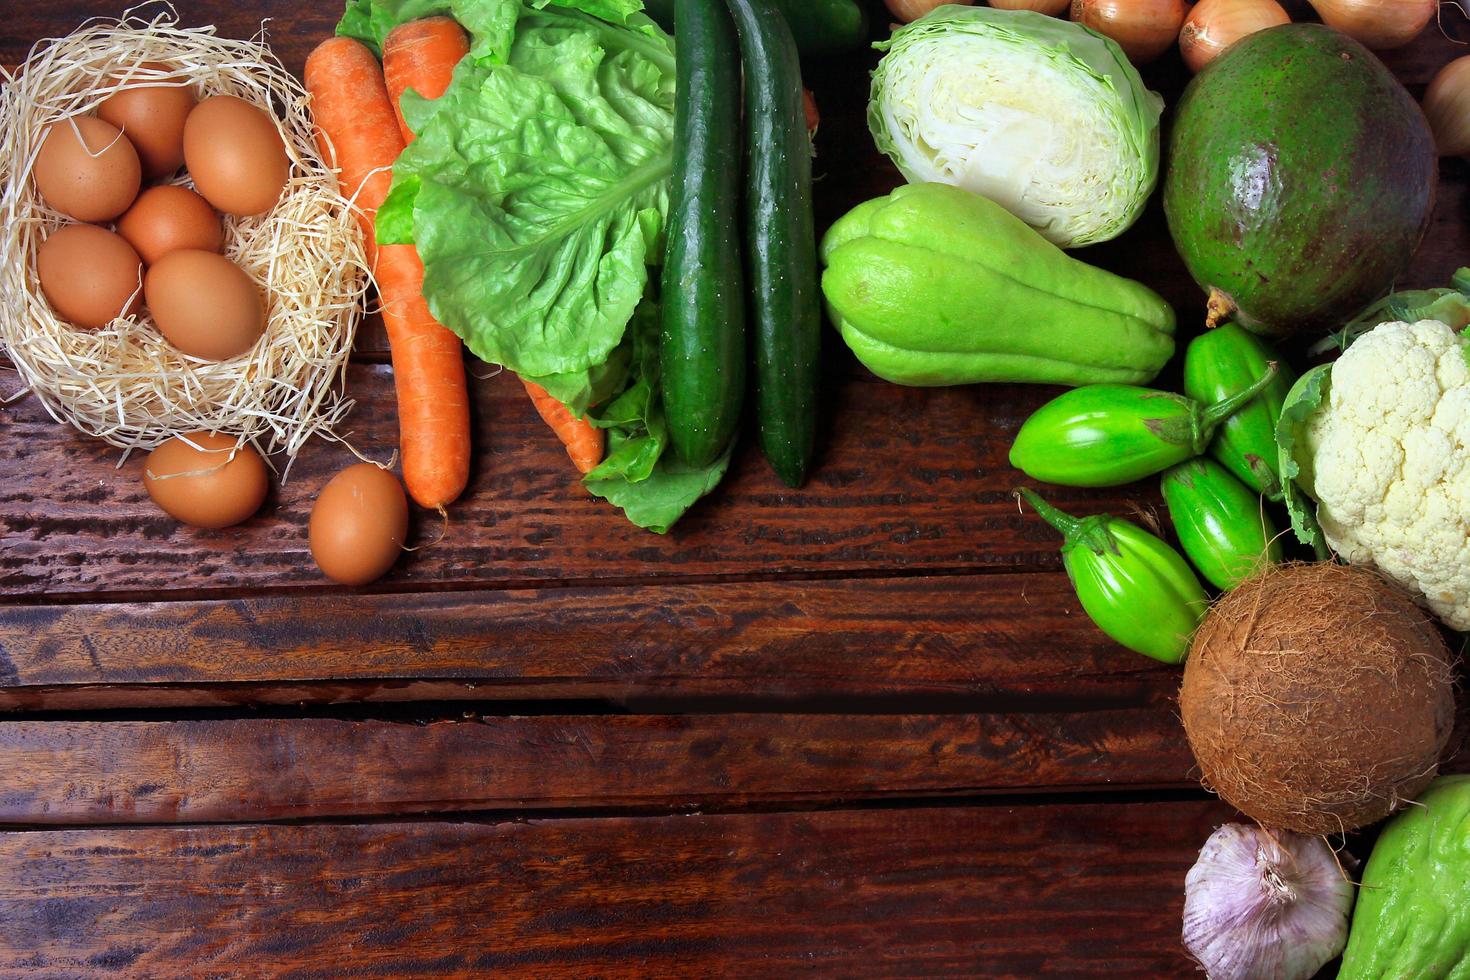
point(421, 55)
point(584, 441)
point(357, 130)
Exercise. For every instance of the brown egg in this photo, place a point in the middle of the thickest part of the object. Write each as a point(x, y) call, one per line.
point(94, 180)
point(204, 304)
point(167, 218)
point(151, 113)
point(89, 275)
point(205, 487)
point(234, 153)
point(358, 524)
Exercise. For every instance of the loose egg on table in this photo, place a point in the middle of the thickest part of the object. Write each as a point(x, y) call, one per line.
point(204, 304)
point(91, 178)
point(167, 218)
point(89, 275)
point(212, 486)
point(235, 154)
point(151, 112)
point(358, 524)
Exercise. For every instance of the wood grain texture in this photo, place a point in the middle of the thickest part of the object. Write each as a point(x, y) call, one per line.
point(81, 772)
point(909, 479)
point(1090, 890)
point(988, 636)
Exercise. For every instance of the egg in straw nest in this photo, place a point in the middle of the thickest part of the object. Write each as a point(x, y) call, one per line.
point(123, 381)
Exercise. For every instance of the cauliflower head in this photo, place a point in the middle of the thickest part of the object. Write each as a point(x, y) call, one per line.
point(1389, 461)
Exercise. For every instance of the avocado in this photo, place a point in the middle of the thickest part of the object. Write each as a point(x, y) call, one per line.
point(1301, 179)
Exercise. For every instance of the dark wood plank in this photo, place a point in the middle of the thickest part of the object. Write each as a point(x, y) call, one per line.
point(1091, 890)
point(85, 772)
point(909, 479)
point(989, 636)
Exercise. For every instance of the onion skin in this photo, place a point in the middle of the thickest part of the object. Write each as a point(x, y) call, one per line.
point(1144, 29)
point(1214, 25)
point(1051, 8)
point(1377, 24)
point(907, 11)
point(1447, 106)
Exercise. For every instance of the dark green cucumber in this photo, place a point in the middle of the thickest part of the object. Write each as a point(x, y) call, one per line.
point(702, 346)
point(821, 27)
point(780, 240)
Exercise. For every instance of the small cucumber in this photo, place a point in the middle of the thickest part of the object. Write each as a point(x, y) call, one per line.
point(702, 343)
point(781, 240)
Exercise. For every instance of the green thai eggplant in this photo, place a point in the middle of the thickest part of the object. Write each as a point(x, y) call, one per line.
point(1221, 524)
point(1136, 588)
point(1413, 912)
point(933, 285)
point(1217, 364)
point(1107, 435)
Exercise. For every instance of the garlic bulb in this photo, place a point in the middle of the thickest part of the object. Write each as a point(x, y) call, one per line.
point(911, 10)
point(1377, 23)
point(1447, 106)
point(1263, 903)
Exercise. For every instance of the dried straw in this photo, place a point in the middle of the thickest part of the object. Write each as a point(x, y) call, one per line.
point(124, 383)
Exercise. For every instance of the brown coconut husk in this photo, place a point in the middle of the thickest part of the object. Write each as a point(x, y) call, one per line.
point(1317, 697)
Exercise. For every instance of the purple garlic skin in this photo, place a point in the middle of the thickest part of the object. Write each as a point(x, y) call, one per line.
point(1265, 905)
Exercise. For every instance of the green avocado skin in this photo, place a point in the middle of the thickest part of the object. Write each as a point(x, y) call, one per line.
point(1301, 178)
point(934, 285)
point(1412, 918)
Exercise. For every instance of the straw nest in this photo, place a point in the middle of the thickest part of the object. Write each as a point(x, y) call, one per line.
point(124, 383)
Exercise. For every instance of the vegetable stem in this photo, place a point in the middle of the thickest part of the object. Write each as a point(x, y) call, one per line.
point(1211, 416)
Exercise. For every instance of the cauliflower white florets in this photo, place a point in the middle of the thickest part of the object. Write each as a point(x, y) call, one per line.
point(1390, 461)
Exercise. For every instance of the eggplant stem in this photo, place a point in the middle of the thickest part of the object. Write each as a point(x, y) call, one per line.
point(1212, 415)
point(1059, 519)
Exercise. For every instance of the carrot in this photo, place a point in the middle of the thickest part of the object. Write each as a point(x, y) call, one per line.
point(357, 129)
point(421, 55)
point(584, 441)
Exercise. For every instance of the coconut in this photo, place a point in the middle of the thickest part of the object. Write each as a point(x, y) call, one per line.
point(1317, 697)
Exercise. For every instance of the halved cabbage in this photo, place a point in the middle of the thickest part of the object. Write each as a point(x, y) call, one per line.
point(1043, 116)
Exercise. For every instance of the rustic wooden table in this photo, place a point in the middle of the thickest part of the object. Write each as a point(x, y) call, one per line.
point(859, 727)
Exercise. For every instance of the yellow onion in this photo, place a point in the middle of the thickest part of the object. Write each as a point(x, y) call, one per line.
point(911, 10)
point(1051, 7)
point(1447, 104)
point(1144, 29)
point(1377, 23)
point(1214, 25)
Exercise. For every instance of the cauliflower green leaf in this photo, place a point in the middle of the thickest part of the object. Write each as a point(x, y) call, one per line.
point(1305, 397)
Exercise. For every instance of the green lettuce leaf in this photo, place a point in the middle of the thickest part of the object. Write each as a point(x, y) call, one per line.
point(490, 23)
point(639, 474)
point(537, 188)
point(657, 502)
point(536, 194)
